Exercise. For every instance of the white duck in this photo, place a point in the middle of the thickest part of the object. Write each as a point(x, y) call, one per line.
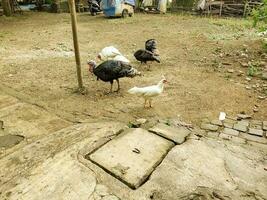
point(149, 92)
point(111, 53)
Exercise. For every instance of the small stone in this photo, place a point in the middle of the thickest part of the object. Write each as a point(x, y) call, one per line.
point(240, 127)
point(254, 131)
point(248, 87)
point(212, 134)
point(230, 131)
point(209, 127)
point(255, 110)
point(254, 138)
point(240, 73)
point(141, 120)
point(265, 125)
point(261, 97)
point(244, 64)
point(230, 70)
point(134, 124)
point(243, 116)
point(264, 76)
point(216, 122)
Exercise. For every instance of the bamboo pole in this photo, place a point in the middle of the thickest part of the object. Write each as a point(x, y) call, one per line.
point(76, 44)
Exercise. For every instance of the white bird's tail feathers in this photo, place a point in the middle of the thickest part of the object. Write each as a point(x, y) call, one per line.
point(135, 90)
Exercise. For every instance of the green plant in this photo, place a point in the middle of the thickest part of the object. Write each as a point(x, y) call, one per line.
point(252, 70)
point(260, 14)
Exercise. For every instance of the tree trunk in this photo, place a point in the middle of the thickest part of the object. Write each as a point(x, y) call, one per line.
point(6, 7)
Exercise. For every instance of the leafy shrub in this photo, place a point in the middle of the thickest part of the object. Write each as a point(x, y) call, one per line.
point(260, 14)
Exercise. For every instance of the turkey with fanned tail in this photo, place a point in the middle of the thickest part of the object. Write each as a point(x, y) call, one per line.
point(150, 53)
point(111, 70)
point(151, 45)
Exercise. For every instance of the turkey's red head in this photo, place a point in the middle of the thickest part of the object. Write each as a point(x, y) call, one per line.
point(92, 65)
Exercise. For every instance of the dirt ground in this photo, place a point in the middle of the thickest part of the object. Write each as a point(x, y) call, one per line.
point(38, 66)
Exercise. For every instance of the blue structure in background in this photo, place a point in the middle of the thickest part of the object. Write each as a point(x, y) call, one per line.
point(112, 8)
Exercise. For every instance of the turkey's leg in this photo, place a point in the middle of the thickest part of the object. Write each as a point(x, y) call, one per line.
point(148, 65)
point(118, 85)
point(111, 85)
point(150, 103)
point(145, 103)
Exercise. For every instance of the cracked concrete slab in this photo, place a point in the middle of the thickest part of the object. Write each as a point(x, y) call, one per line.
point(175, 134)
point(132, 157)
point(48, 168)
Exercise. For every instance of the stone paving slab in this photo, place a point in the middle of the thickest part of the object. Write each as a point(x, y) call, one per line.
point(240, 127)
point(254, 131)
point(244, 123)
point(133, 156)
point(232, 138)
point(254, 138)
point(229, 131)
point(209, 127)
point(216, 122)
point(175, 134)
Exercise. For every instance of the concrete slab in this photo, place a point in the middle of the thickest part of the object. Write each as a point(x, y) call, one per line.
point(175, 134)
point(133, 156)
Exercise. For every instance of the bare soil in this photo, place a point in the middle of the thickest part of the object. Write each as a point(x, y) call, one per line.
point(38, 65)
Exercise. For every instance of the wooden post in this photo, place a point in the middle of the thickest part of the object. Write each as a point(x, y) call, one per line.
point(76, 45)
point(6, 8)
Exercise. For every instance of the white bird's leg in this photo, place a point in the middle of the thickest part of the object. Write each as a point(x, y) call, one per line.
point(118, 85)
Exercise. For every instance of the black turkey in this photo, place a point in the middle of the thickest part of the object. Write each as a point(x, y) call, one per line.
point(144, 56)
point(111, 70)
point(151, 45)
